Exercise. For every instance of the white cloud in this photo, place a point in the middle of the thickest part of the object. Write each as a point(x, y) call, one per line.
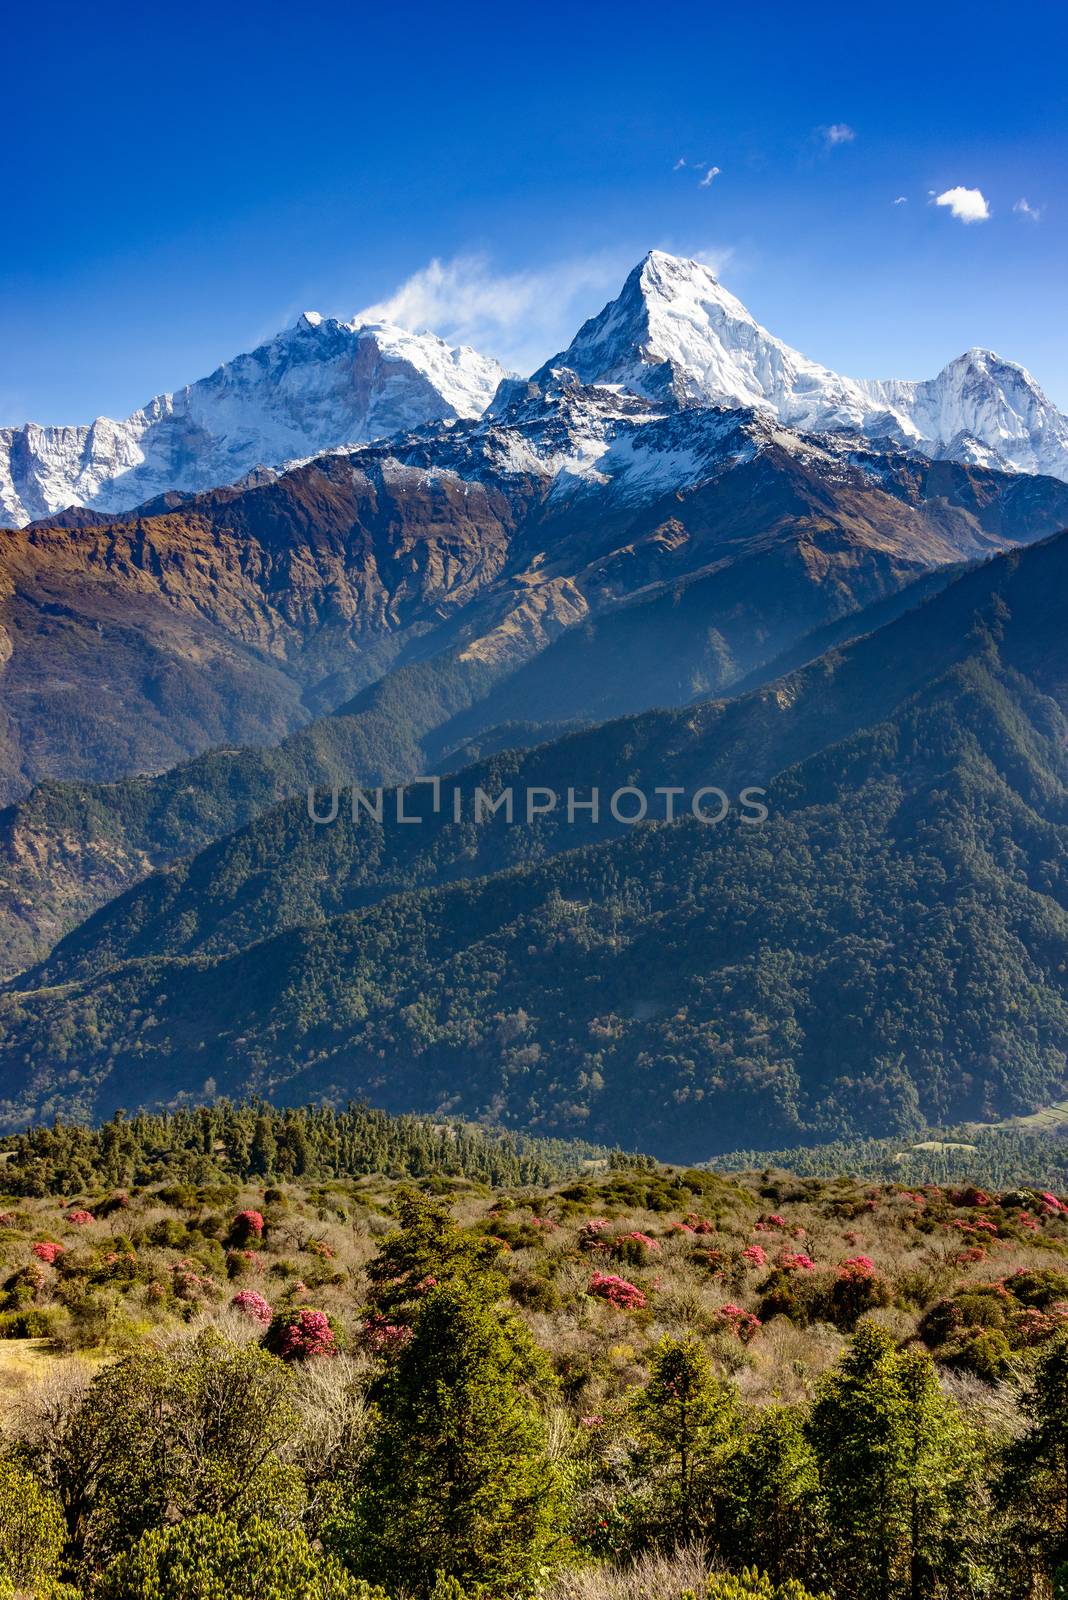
point(706, 181)
point(681, 162)
point(522, 318)
point(838, 133)
point(1024, 208)
point(902, 200)
point(967, 205)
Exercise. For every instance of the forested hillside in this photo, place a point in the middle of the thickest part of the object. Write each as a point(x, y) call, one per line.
point(884, 953)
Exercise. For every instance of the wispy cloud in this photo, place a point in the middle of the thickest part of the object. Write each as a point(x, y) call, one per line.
point(1024, 208)
point(520, 317)
point(967, 205)
point(837, 133)
point(902, 200)
point(708, 171)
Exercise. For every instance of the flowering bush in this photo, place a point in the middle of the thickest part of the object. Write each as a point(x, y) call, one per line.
point(794, 1261)
point(46, 1250)
point(253, 1306)
point(381, 1336)
point(246, 1227)
point(755, 1255)
point(80, 1218)
point(737, 1321)
point(857, 1288)
point(617, 1291)
point(300, 1335)
point(633, 1247)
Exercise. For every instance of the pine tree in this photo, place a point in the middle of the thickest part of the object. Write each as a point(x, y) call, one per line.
point(457, 1483)
point(772, 1510)
point(898, 1475)
point(684, 1420)
point(1034, 1482)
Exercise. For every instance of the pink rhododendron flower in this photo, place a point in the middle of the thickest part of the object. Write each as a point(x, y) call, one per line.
point(382, 1336)
point(80, 1218)
point(737, 1321)
point(857, 1267)
point(46, 1250)
point(248, 1224)
point(252, 1305)
point(617, 1291)
point(302, 1335)
point(755, 1254)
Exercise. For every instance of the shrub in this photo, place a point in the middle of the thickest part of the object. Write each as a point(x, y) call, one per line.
point(253, 1306)
point(857, 1288)
point(300, 1335)
point(211, 1558)
point(246, 1228)
point(32, 1530)
point(752, 1585)
point(617, 1291)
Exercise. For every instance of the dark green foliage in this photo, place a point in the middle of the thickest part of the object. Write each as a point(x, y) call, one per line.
point(457, 1480)
point(427, 1250)
point(1035, 1483)
point(217, 1141)
point(684, 1422)
point(771, 1508)
point(159, 1435)
point(899, 1477)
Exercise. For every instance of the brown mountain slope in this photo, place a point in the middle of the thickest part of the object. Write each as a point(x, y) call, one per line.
point(698, 547)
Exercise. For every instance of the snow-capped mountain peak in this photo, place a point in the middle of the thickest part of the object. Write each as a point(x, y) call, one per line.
point(320, 384)
point(675, 332)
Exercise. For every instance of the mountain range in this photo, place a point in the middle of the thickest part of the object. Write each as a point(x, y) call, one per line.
point(319, 384)
point(678, 553)
point(674, 332)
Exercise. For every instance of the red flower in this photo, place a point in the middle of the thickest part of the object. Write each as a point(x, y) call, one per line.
point(617, 1291)
point(737, 1321)
point(300, 1335)
point(45, 1250)
point(80, 1218)
point(252, 1305)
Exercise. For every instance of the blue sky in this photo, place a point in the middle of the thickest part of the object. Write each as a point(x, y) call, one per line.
point(182, 181)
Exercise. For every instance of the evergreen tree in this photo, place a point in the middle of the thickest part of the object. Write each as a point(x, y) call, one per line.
point(898, 1477)
point(428, 1249)
point(1034, 1482)
point(457, 1482)
point(684, 1421)
point(263, 1157)
point(211, 1558)
point(772, 1511)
